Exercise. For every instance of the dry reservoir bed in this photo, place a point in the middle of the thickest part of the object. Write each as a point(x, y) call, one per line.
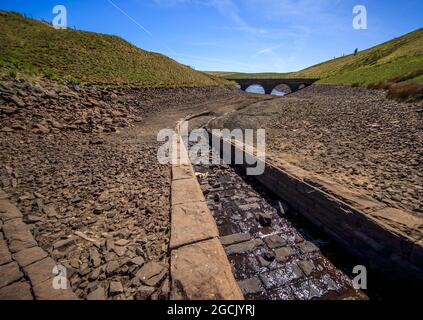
point(272, 256)
point(351, 135)
point(80, 163)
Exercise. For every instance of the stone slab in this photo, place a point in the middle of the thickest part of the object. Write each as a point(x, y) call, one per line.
point(191, 222)
point(16, 291)
point(402, 221)
point(275, 241)
point(283, 254)
point(235, 238)
point(29, 256)
point(5, 256)
point(18, 235)
point(251, 286)
point(8, 211)
point(180, 172)
point(40, 271)
point(244, 246)
point(46, 291)
point(201, 271)
point(9, 273)
point(186, 191)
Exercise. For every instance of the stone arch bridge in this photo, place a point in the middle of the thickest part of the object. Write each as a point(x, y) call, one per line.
point(270, 84)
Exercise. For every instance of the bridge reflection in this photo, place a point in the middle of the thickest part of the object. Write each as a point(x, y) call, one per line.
point(268, 86)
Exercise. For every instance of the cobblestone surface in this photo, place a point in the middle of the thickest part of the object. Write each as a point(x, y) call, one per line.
point(26, 271)
point(271, 258)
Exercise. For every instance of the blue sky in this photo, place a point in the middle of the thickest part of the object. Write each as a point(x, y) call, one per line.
point(238, 35)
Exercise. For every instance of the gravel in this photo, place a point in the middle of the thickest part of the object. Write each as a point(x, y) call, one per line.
point(353, 135)
point(81, 164)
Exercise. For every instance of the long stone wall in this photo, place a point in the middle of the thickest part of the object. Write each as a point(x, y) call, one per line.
point(386, 239)
point(200, 269)
point(26, 270)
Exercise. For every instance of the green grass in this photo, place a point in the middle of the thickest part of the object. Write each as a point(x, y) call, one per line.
point(382, 63)
point(33, 47)
point(241, 75)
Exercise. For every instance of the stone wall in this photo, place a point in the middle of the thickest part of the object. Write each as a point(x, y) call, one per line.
point(200, 269)
point(386, 239)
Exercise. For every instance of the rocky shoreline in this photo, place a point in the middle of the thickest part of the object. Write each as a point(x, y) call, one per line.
point(80, 163)
point(354, 136)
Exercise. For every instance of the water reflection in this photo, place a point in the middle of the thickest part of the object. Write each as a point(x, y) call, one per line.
point(277, 92)
point(255, 88)
point(259, 90)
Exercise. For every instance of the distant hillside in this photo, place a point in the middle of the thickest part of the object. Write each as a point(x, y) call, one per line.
point(394, 61)
point(35, 47)
point(240, 75)
point(398, 59)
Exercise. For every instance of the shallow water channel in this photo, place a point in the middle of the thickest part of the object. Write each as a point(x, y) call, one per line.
point(273, 253)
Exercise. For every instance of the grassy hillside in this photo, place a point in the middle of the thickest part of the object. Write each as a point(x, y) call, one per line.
point(396, 66)
point(240, 75)
point(400, 58)
point(397, 60)
point(35, 47)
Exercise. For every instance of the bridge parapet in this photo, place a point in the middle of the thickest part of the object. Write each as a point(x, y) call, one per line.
point(268, 85)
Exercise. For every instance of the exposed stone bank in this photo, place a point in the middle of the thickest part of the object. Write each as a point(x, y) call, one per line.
point(200, 269)
point(26, 270)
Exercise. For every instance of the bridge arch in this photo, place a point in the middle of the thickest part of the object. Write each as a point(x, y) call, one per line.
point(281, 89)
point(256, 88)
point(269, 85)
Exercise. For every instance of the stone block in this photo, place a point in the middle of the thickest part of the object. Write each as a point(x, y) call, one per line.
point(16, 291)
point(191, 222)
point(9, 273)
point(235, 238)
point(186, 191)
point(46, 291)
point(29, 256)
point(201, 271)
point(40, 271)
point(18, 235)
point(8, 211)
point(244, 247)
